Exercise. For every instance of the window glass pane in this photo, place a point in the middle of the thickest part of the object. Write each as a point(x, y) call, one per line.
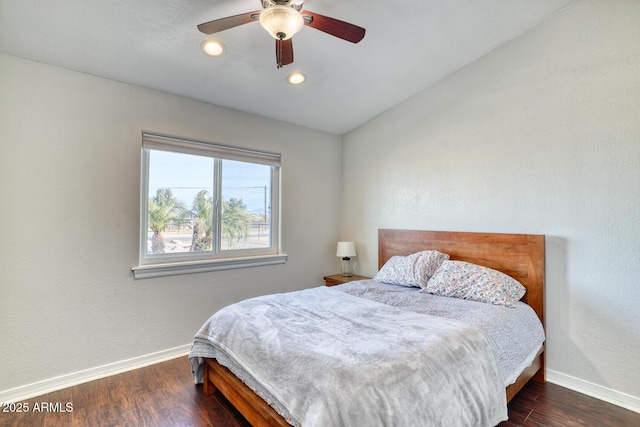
point(246, 205)
point(180, 203)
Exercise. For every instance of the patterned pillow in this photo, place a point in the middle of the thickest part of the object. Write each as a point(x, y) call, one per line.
point(464, 280)
point(411, 270)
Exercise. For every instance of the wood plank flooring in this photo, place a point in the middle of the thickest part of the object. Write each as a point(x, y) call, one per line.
point(164, 395)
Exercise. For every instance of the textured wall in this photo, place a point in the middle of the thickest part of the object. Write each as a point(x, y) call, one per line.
point(70, 184)
point(540, 136)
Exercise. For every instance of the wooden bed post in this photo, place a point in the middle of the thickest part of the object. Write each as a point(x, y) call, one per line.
point(208, 385)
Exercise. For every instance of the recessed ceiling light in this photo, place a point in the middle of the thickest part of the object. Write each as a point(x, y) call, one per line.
point(212, 47)
point(296, 78)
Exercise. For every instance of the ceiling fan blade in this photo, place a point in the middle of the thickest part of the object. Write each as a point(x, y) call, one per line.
point(335, 27)
point(284, 52)
point(222, 24)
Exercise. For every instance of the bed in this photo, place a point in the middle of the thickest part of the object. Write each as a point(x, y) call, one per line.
point(520, 256)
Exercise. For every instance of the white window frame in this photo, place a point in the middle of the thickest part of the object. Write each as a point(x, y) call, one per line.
point(154, 265)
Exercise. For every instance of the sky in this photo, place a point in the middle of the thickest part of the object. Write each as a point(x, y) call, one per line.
point(187, 174)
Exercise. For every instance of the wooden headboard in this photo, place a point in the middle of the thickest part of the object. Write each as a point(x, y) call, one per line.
point(521, 256)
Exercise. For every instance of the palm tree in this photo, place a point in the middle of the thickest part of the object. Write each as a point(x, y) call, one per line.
point(162, 209)
point(235, 220)
point(202, 222)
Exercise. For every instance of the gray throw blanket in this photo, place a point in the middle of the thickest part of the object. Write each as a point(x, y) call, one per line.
point(332, 359)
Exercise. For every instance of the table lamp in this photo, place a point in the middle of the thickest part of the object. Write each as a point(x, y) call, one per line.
point(346, 250)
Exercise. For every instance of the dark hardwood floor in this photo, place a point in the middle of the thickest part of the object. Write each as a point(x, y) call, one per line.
point(164, 395)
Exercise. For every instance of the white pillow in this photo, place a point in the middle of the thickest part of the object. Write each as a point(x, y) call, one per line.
point(412, 270)
point(465, 280)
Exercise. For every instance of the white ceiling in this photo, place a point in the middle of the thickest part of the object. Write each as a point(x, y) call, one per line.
point(409, 45)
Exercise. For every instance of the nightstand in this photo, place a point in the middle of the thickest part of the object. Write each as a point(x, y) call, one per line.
point(339, 279)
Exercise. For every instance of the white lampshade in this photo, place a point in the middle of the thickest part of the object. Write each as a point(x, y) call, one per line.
point(346, 249)
point(282, 22)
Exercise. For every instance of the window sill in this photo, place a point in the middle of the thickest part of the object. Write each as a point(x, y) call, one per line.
point(202, 266)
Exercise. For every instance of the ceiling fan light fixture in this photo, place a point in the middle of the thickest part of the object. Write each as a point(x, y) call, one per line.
point(282, 22)
point(212, 47)
point(296, 78)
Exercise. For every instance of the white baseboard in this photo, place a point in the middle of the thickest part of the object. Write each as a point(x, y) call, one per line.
point(615, 397)
point(58, 383)
point(39, 388)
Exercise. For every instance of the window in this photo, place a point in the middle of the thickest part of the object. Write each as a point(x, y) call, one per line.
point(206, 207)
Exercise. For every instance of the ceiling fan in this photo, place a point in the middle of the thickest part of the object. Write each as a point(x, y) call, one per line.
point(282, 19)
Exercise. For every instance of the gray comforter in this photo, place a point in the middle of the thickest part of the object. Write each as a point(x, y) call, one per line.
point(515, 333)
point(327, 358)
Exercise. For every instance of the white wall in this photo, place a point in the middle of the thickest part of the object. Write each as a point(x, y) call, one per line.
point(69, 186)
point(540, 136)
